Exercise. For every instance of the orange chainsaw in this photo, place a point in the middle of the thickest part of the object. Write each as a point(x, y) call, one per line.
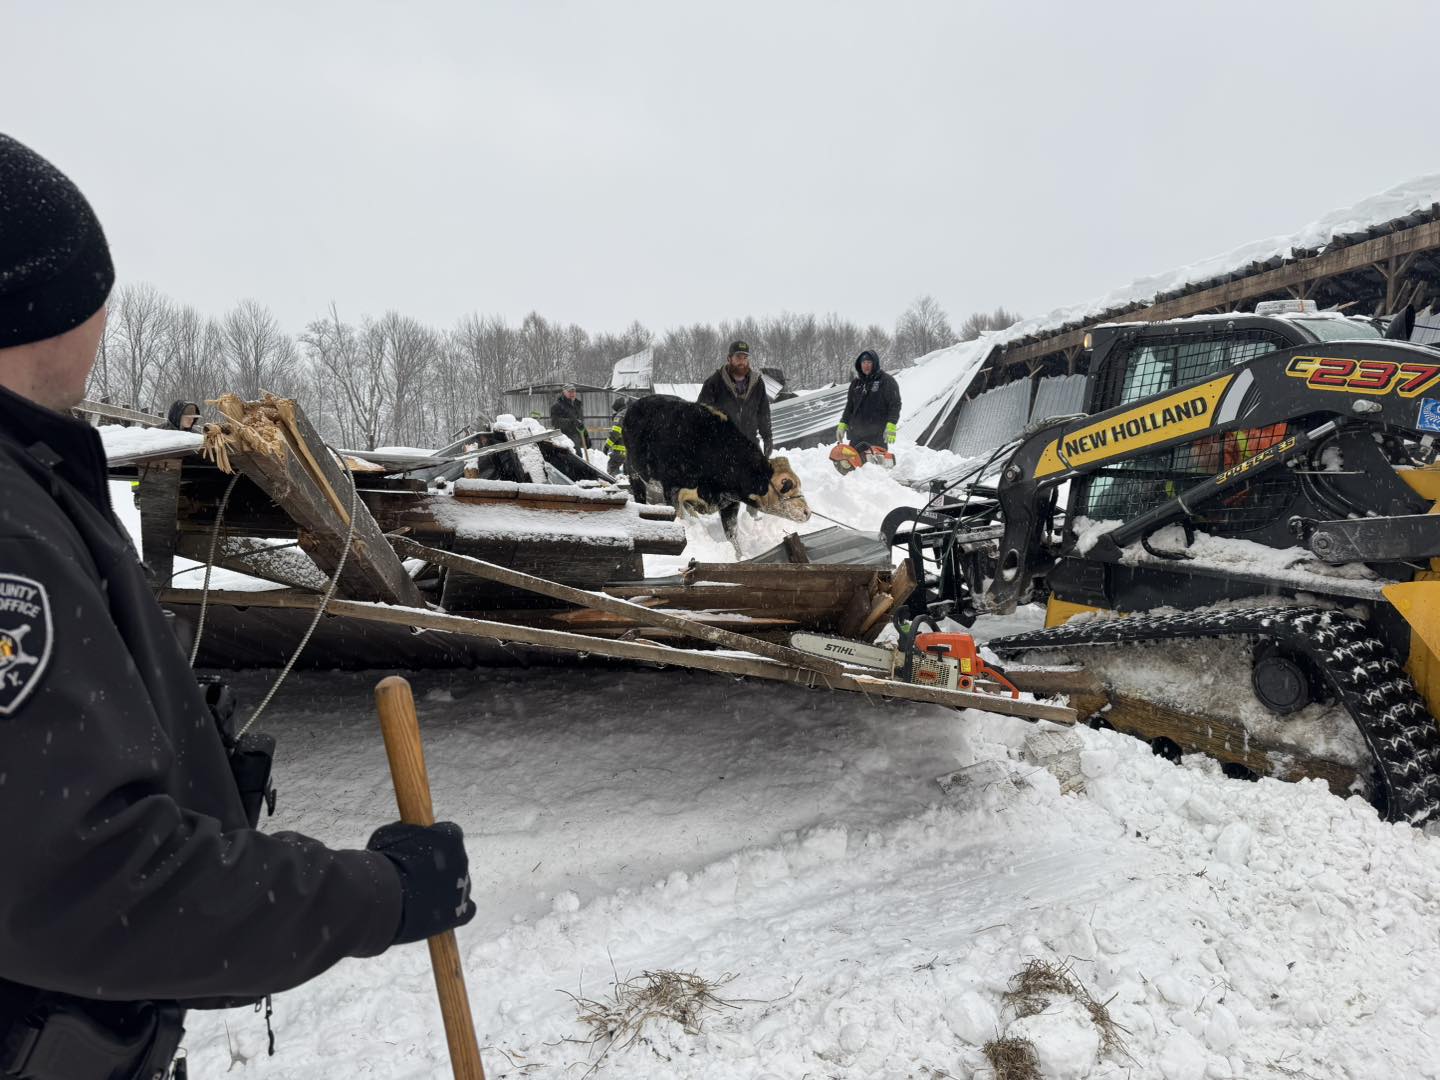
point(945, 661)
point(847, 459)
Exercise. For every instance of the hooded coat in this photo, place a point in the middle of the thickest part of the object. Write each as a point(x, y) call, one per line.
point(569, 417)
point(873, 402)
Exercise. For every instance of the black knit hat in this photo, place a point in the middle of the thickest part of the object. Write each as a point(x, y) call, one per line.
point(55, 269)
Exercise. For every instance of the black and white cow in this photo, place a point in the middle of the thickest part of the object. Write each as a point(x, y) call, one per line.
point(703, 463)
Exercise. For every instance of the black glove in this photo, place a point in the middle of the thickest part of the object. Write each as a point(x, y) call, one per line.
point(434, 877)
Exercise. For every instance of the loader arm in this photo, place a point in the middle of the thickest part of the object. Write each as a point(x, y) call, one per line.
point(1318, 391)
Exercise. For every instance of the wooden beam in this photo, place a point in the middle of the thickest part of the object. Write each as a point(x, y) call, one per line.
point(87, 407)
point(1301, 272)
point(750, 573)
point(755, 667)
point(1048, 682)
point(643, 616)
point(288, 566)
point(1225, 740)
point(259, 442)
point(159, 499)
point(795, 549)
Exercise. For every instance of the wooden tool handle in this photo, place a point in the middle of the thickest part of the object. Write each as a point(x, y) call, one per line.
point(401, 729)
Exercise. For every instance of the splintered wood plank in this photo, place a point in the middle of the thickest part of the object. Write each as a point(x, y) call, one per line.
point(613, 605)
point(755, 666)
point(859, 606)
point(902, 584)
point(272, 443)
point(795, 549)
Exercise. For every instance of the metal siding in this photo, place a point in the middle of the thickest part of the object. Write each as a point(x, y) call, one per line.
point(1060, 395)
point(991, 419)
point(802, 420)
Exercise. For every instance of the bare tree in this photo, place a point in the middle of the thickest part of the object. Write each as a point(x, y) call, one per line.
point(140, 317)
point(257, 354)
point(191, 368)
point(334, 348)
point(410, 352)
point(980, 321)
point(923, 328)
point(484, 351)
point(542, 351)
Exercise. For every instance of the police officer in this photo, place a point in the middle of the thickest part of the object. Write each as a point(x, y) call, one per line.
point(132, 883)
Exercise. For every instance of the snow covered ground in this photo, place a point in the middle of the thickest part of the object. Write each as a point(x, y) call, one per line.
point(860, 499)
point(624, 821)
point(793, 847)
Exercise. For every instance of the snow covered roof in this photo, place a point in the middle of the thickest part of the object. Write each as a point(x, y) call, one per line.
point(687, 390)
point(633, 372)
point(939, 380)
point(1384, 212)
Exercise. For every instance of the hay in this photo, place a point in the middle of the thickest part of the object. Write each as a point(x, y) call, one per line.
point(1040, 981)
point(619, 1020)
point(1012, 1059)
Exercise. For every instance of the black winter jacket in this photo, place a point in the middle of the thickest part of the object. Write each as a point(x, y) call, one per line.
point(569, 417)
point(873, 402)
point(750, 413)
point(127, 869)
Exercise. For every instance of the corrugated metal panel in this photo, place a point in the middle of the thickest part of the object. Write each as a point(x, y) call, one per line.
point(1060, 395)
point(991, 419)
point(1427, 330)
point(536, 400)
point(799, 421)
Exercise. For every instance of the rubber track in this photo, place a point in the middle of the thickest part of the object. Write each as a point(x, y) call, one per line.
point(1403, 738)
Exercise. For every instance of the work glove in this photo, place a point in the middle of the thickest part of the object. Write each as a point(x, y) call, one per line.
point(840, 430)
point(889, 434)
point(434, 877)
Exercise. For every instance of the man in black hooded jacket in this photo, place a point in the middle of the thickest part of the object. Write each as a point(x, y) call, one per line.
point(872, 407)
point(133, 883)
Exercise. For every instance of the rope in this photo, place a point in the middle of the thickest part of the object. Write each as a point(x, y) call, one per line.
point(209, 566)
point(324, 603)
point(837, 521)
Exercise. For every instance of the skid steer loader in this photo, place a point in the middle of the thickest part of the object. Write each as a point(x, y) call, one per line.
point(1266, 479)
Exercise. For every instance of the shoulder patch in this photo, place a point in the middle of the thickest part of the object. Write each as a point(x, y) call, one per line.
point(26, 634)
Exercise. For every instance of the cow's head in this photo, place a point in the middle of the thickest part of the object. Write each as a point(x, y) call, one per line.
point(782, 496)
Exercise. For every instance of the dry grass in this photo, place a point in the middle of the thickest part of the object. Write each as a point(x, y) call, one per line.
point(619, 1020)
point(1012, 1059)
point(1041, 981)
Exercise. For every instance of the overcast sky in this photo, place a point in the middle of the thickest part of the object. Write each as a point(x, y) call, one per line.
point(676, 162)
